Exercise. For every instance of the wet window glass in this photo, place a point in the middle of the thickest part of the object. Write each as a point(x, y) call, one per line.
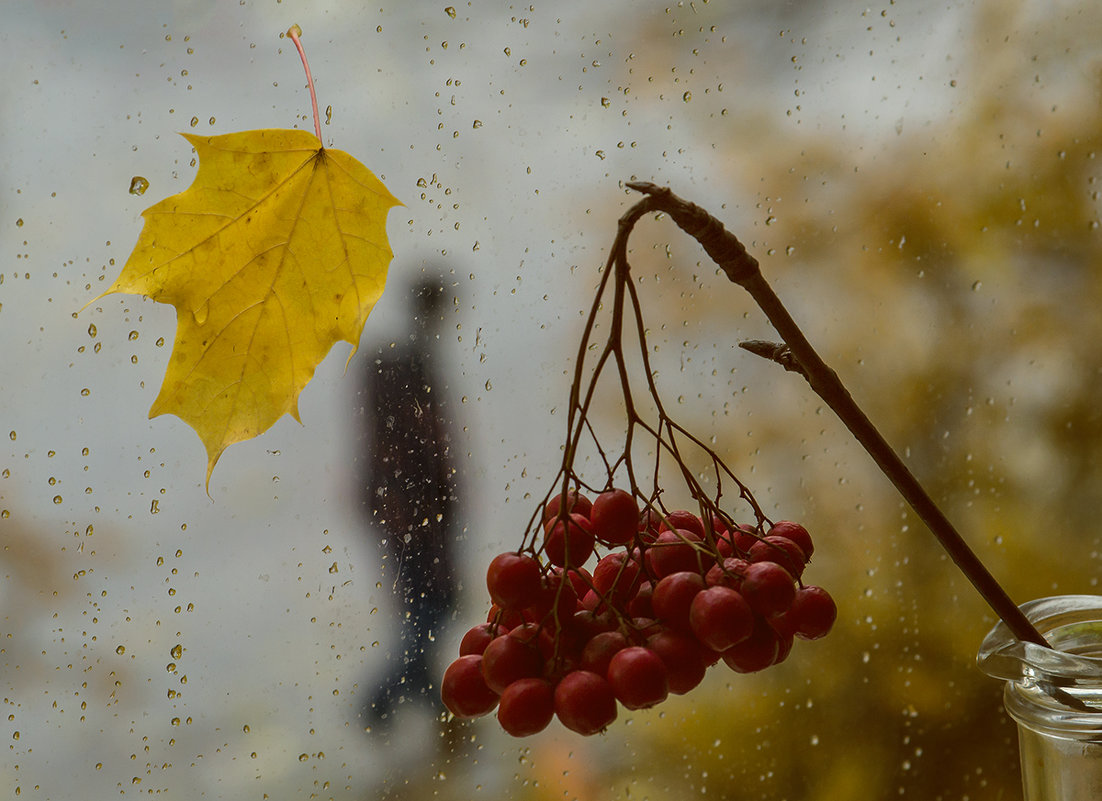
point(919, 185)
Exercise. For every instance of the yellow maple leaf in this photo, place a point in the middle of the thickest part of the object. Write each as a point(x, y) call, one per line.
point(276, 252)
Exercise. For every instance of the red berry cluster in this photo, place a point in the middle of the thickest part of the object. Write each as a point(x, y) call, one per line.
point(674, 595)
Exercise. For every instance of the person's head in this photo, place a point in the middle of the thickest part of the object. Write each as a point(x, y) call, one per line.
point(429, 300)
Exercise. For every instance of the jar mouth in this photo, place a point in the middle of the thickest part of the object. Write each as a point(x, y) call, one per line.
point(1072, 624)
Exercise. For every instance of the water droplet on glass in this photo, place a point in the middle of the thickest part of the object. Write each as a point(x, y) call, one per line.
point(84, 393)
point(57, 499)
point(477, 124)
point(19, 223)
point(328, 114)
point(177, 651)
point(120, 650)
point(194, 121)
point(154, 507)
point(92, 330)
point(450, 11)
point(687, 96)
point(132, 335)
point(976, 286)
point(201, 313)
point(11, 436)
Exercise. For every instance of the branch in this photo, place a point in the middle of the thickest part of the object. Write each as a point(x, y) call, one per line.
point(797, 354)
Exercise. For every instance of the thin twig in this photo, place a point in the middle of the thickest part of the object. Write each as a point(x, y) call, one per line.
point(730, 255)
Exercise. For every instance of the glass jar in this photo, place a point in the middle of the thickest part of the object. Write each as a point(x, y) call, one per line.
point(1055, 695)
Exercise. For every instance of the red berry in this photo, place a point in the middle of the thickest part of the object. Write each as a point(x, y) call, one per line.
point(535, 636)
point(682, 657)
point(513, 580)
point(673, 552)
point(720, 618)
point(557, 598)
point(586, 623)
point(673, 596)
point(507, 659)
point(638, 677)
point(682, 519)
point(742, 539)
point(584, 702)
point(781, 550)
point(505, 618)
point(727, 574)
point(615, 517)
point(598, 652)
point(464, 690)
point(768, 587)
point(568, 542)
point(795, 532)
point(526, 707)
point(477, 638)
point(756, 652)
point(812, 613)
point(642, 605)
point(575, 502)
point(649, 522)
point(616, 577)
point(581, 579)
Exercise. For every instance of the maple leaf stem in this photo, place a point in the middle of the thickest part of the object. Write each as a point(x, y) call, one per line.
point(295, 32)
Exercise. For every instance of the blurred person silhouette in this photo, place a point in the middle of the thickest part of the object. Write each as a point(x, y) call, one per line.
point(410, 495)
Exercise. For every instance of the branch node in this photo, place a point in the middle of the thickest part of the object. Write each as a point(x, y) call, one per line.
point(775, 352)
point(721, 245)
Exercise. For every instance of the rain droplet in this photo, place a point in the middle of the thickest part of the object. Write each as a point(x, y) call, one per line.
point(194, 121)
point(120, 650)
point(154, 507)
point(328, 114)
point(477, 124)
point(132, 335)
point(450, 11)
point(19, 223)
point(177, 651)
point(976, 286)
point(687, 96)
point(92, 330)
point(201, 313)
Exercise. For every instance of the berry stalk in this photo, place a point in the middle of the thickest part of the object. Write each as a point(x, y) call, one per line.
point(797, 354)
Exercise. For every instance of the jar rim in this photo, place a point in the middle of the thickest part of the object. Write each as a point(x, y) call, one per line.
point(1073, 626)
